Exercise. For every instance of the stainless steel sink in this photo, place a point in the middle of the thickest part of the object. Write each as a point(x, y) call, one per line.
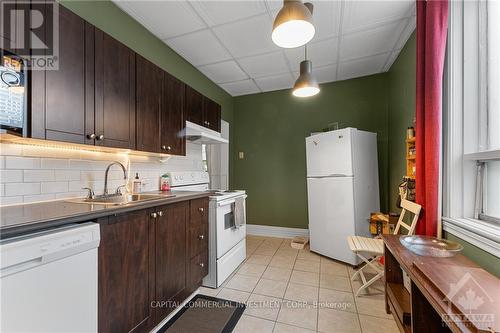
point(122, 199)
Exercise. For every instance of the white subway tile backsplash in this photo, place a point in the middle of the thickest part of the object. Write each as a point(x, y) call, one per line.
point(31, 173)
point(13, 189)
point(54, 187)
point(39, 175)
point(54, 163)
point(11, 176)
point(15, 162)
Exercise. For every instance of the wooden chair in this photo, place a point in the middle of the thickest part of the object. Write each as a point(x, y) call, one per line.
point(370, 250)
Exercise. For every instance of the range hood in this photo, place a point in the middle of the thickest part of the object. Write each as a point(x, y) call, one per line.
point(199, 134)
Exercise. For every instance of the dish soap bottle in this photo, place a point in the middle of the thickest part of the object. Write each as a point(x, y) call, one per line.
point(136, 184)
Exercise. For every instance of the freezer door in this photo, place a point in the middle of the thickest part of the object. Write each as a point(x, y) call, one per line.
point(329, 154)
point(331, 217)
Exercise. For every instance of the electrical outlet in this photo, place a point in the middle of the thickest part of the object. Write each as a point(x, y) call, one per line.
point(241, 155)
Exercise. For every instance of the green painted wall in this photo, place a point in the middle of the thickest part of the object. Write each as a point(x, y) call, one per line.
point(105, 15)
point(270, 128)
point(402, 90)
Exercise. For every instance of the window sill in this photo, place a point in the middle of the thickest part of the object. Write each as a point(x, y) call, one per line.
point(485, 236)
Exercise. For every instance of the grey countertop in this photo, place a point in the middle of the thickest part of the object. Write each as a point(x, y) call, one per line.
point(20, 219)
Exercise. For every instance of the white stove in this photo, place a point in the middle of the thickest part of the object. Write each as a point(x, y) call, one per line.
point(227, 247)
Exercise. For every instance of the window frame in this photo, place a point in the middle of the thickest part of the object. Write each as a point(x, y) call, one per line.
point(459, 168)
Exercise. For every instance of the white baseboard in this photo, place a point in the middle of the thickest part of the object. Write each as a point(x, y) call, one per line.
point(282, 232)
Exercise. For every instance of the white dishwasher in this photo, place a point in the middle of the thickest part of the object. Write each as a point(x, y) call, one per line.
point(48, 280)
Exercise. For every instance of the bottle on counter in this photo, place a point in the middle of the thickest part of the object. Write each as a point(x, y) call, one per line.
point(136, 184)
point(165, 183)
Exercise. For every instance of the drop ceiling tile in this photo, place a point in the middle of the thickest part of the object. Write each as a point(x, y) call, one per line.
point(165, 19)
point(274, 5)
point(362, 14)
point(247, 37)
point(277, 82)
point(370, 42)
point(199, 48)
point(361, 67)
point(264, 65)
point(222, 72)
point(219, 12)
point(238, 88)
point(320, 53)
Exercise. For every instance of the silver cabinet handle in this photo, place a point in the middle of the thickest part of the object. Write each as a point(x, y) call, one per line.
point(100, 137)
point(169, 148)
point(201, 237)
point(154, 215)
point(201, 264)
point(201, 209)
point(163, 147)
point(91, 136)
point(160, 213)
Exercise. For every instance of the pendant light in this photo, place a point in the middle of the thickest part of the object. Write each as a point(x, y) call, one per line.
point(293, 26)
point(306, 85)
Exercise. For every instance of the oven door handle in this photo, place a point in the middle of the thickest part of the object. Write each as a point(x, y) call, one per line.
point(228, 202)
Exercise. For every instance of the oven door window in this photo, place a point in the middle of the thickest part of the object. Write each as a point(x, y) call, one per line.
point(229, 219)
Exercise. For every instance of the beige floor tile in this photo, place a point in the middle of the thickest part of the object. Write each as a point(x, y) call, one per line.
point(252, 269)
point(301, 293)
point(270, 288)
point(268, 251)
point(335, 299)
point(377, 325)
point(334, 321)
point(233, 295)
point(287, 253)
point(308, 278)
point(243, 282)
point(284, 328)
point(298, 314)
point(308, 255)
point(259, 259)
point(334, 268)
point(335, 282)
point(373, 305)
point(261, 306)
point(306, 265)
point(277, 273)
point(209, 291)
point(249, 324)
point(283, 262)
point(376, 289)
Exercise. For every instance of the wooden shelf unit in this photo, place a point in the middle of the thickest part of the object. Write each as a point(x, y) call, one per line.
point(411, 157)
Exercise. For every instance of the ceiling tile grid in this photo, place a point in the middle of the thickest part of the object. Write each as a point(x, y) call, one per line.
point(230, 41)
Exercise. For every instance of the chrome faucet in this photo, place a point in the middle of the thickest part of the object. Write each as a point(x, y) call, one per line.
point(106, 176)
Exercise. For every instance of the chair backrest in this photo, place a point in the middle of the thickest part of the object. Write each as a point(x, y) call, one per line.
point(413, 208)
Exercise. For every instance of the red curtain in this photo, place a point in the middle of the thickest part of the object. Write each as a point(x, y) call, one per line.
point(432, 25)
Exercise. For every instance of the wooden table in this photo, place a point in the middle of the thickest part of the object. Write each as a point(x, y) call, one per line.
point(447, 294)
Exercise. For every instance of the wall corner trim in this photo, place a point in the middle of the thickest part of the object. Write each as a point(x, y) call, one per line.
point(270, 231)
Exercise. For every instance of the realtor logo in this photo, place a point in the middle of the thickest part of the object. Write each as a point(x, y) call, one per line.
point(472, 301)
point(30, 29)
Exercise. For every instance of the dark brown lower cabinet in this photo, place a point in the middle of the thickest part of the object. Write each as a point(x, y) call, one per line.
point(126, 272)
point(150, 260)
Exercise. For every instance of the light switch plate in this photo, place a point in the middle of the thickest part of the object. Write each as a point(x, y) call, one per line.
point(241, 155)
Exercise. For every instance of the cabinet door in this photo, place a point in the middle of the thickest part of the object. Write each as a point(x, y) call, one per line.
point(126, 273)
point(194, 106)
point(171, 254)
point(173, 140)
point(211, 115)
point(60, 103)
point(148, 94)
point(114, 93)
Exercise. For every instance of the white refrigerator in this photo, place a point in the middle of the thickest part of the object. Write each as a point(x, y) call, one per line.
point(342, 189)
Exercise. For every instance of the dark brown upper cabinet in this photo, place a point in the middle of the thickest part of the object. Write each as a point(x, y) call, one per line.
point(202, 110)
point(63, 98)
point(114, 93)
point(149, 79)
point(172, 120)
point(193, 106)
point(211, 114)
